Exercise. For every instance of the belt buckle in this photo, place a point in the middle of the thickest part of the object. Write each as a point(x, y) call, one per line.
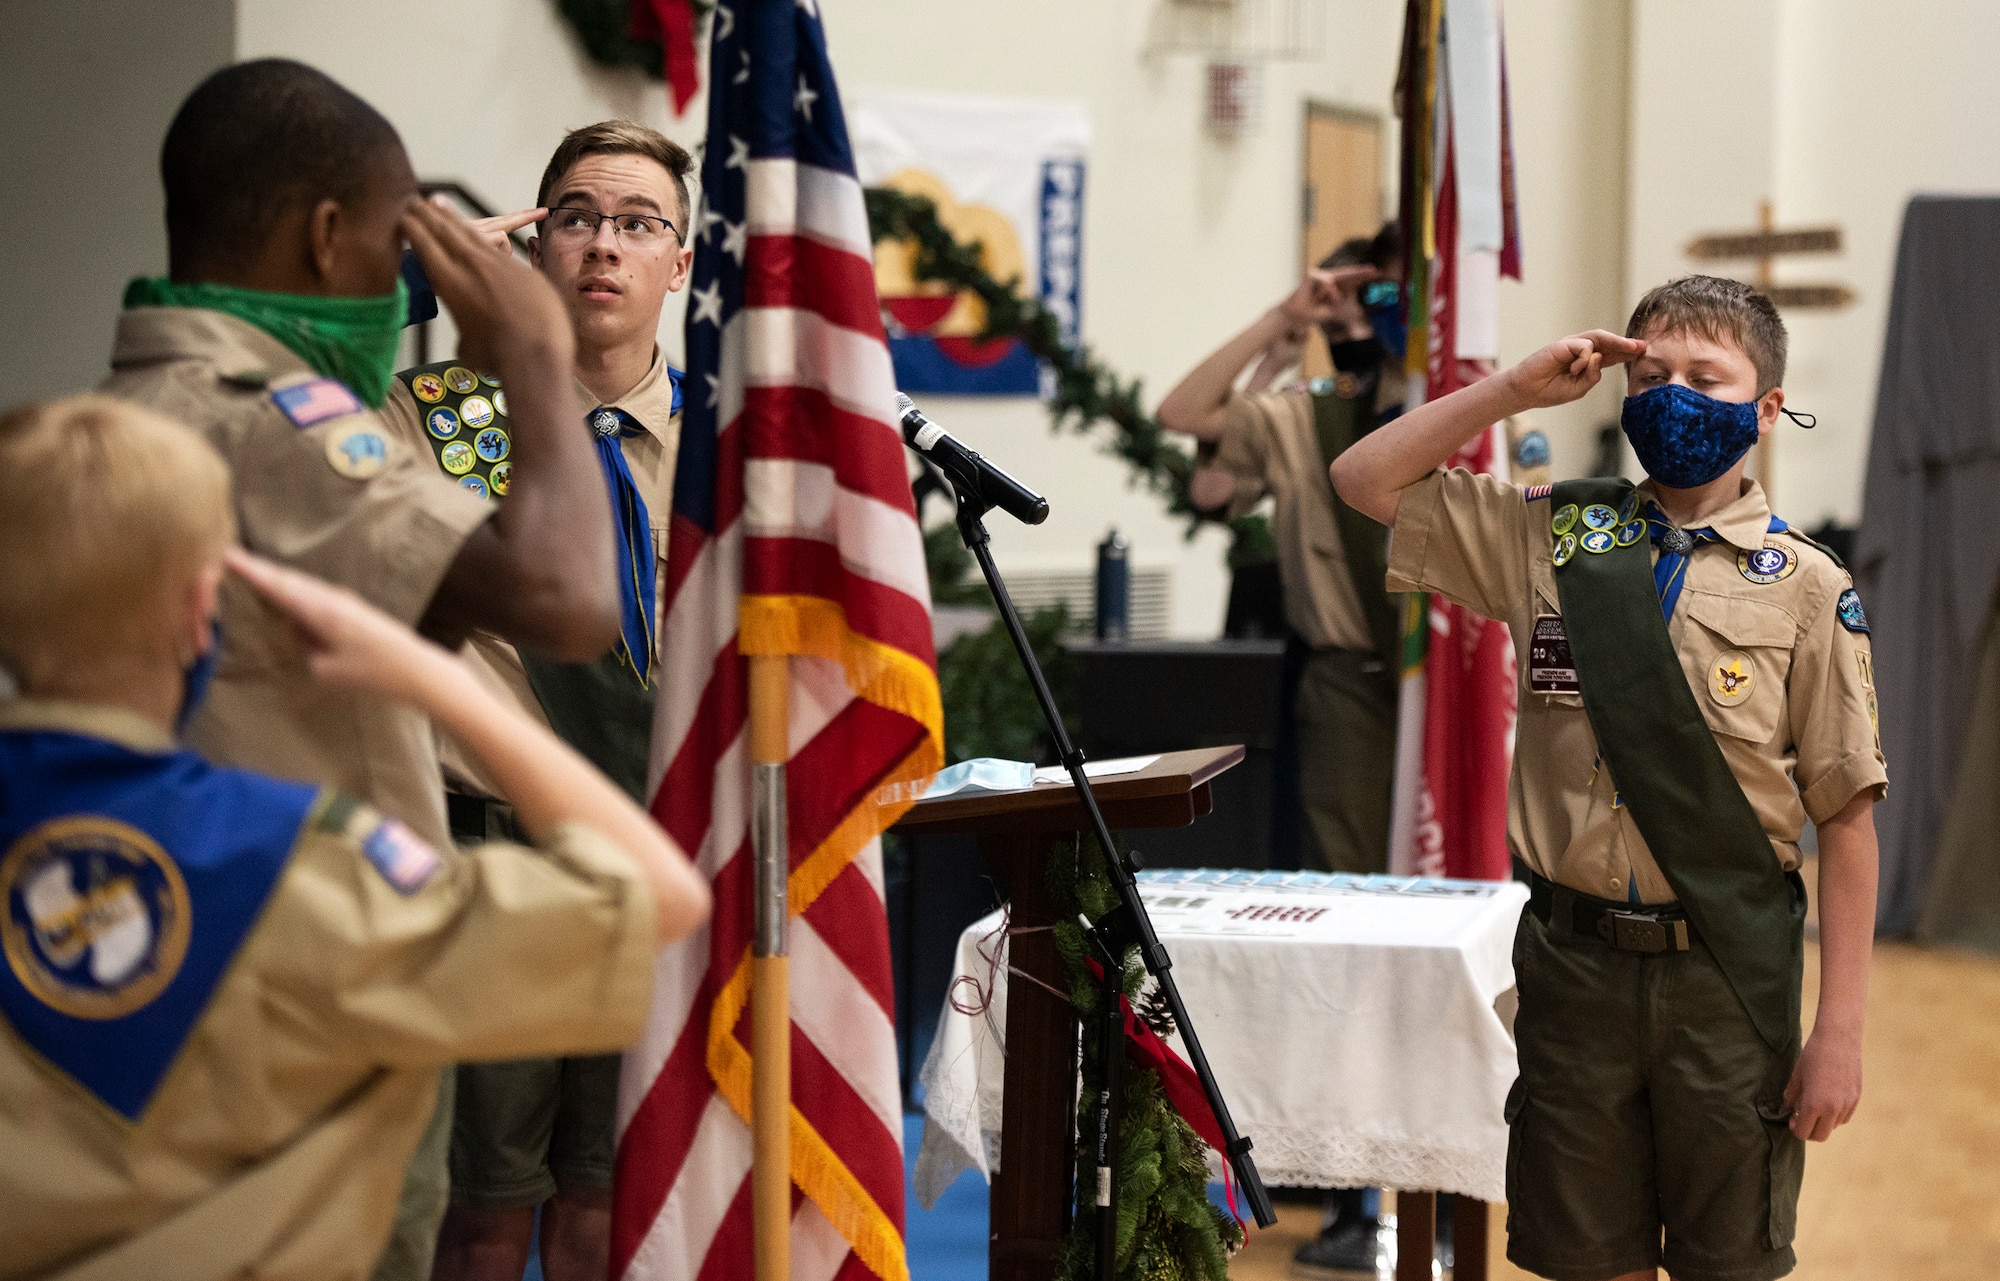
point(1634, 932)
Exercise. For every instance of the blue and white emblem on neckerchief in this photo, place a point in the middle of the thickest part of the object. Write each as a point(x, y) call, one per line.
point(128, 882)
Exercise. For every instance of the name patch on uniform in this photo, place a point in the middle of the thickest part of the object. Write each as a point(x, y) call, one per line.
point(404, 859)
point(316, 401)
point(1851, 615)
point(1551, 667)
point(97, 916)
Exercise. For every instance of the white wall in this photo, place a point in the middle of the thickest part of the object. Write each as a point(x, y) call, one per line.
point(87, 88)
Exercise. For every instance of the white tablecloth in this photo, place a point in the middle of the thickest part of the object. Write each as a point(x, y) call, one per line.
point(1351, 1022)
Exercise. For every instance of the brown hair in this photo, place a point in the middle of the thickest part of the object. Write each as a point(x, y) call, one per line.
point(107, 513)
point(1721, 310)
point(621, 138)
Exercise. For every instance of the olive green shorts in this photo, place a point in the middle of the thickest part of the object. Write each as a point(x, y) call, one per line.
point(526, 1127)
point(1647, 1126)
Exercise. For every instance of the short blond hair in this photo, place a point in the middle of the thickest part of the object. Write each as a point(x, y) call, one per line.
point(108, 512)
point(621, 138)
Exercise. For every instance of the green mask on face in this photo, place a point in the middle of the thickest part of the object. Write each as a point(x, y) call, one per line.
point(352, 339)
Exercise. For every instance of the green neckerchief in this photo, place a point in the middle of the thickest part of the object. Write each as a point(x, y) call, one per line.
point(352, 339)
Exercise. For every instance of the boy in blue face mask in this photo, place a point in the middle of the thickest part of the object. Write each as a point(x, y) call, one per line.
point(1696, 684)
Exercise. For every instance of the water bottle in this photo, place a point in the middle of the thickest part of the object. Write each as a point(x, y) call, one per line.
point(1114, 587)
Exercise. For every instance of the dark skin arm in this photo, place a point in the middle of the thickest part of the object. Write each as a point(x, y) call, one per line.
point(550, 544)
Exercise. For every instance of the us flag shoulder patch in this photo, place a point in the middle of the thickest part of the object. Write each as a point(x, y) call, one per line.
point(1534, 492)
point(316, 401)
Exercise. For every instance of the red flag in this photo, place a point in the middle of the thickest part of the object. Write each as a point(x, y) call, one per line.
point(671, 22)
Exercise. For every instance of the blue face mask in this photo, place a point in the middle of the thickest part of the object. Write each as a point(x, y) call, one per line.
point(1382, 303)
point(194, 684)
point(1685, 439)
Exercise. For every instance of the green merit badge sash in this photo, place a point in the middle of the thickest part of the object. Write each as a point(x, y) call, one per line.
point(1669, 770)
point(601, 708)
point(1337, 418)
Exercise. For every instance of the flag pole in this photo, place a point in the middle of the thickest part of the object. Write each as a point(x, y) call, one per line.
point(770, 980)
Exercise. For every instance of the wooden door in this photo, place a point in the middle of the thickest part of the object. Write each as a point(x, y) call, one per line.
point(1343, 192)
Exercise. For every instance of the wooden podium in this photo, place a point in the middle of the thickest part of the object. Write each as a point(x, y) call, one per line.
point(1017, 833)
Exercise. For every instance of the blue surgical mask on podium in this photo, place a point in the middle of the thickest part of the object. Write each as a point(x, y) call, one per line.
point(983, 774)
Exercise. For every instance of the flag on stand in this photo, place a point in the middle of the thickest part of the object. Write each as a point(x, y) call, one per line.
point(793, 533)
point(1455, 718)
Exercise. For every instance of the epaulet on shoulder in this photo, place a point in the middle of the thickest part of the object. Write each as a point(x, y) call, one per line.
point(334, 812)
point(1815, 545)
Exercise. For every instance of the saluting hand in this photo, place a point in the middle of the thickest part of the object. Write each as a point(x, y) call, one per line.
point(498, 231)
point(504, 309)
point(1319, 295)
point(1568, 367)
point(347, 641)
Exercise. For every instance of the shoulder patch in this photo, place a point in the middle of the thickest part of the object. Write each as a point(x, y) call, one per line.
point(1535, 493)
point(404, 859)
point(1532, 449)
point(315, 401)
point(1852, 617)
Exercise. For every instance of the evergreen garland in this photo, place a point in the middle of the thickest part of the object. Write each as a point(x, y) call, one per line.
point(1168, 1229)
point(1086, 391)
point(603, 28)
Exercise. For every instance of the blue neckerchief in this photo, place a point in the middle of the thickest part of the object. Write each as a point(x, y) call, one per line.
point(634, 528)
point(130, 882)
point(1670, 570)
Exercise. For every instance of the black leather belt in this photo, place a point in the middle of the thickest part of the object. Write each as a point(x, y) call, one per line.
point(1625, 927)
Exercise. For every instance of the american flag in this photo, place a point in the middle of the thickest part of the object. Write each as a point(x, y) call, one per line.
point(793, 533)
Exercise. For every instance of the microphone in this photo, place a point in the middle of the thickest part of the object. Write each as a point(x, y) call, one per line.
point(967, 470)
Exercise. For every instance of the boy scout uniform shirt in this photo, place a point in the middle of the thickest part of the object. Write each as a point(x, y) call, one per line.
point(274, 1145)
point(1268, 446)
point(320, 485)
point(650, 455)
point(1799, 733)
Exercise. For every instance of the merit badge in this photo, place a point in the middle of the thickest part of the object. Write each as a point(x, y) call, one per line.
point(476, 410)
point(474, 484)
point(1597, 542)
point(428, 388)
point(491, 444)
point(1849, 609)
point(1564, 519)
point(1565, 548)
point(457, 457)
point(1598, 516)
point(500, 403)
point(460, 379)
point(400, 855)
point(1629, 508)
point(1631, 532)
point(97, 917)
point(605, 422)
point(490, 381)
point(1551, 668)
point(501, 476)
point(1768, 564)
point(1346, 385)
point(316, 401)
point(1730, 679)
point(358, 453)
point(443, 422)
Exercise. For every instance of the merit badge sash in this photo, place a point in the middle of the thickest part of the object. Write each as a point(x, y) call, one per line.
point(1337, 425)
point(465, 420)
point(1669, 770)
point(129, 881)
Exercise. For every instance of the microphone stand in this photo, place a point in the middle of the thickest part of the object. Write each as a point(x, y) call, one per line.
point(1128, 923)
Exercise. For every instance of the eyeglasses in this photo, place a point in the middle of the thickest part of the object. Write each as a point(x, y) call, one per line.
point(635, 231)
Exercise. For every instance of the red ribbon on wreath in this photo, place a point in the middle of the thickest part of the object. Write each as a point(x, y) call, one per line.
point(1178, 1081)
point(671, 22)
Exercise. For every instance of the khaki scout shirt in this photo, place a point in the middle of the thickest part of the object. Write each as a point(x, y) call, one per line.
point(389, 536)
point(275, 1145)
point(1802, 740)
point(1269, 446)
point(651, 455)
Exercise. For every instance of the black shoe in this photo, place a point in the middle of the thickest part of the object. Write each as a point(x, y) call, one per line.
point(1347, 1251)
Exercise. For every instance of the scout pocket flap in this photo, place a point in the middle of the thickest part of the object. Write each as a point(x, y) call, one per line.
point(1737, 655)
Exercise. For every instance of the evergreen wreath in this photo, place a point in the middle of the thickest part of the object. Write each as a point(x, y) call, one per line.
point(1168, 1229)
point(1086, 391)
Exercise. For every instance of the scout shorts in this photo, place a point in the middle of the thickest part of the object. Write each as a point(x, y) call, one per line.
point(1647, 1126)
point(526, 1127)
